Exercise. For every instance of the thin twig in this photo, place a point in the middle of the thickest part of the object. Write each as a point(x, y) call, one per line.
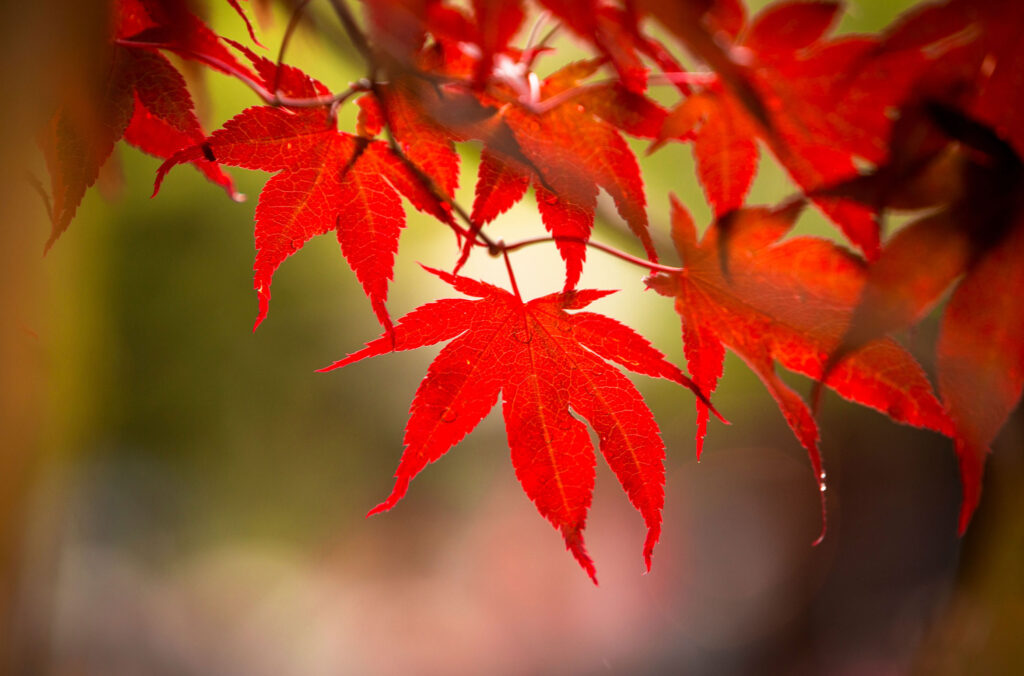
point(629, 258)
point(355, 35)
point(292, 24)
point(534, 52)
point(529, 52)
point(511, 275)
point(268, 97)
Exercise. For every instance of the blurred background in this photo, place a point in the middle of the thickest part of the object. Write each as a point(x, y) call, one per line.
point(180, 495)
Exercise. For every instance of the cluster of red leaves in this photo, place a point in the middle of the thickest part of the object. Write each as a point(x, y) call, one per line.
point(141, 98)
point(929, 105)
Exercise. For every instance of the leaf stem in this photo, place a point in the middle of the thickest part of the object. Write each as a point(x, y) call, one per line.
point(270, 98)
point(511, 275)
point(292, 25)
point(355, 35)
point(533, 46)
point(358, 39)
point(612, 251)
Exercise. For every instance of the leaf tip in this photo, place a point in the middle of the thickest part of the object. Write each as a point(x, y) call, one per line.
point(653, 535)
point(262, 286)
point(972, 469)
point(574, 543)
point(401, 486)
point(382, 507)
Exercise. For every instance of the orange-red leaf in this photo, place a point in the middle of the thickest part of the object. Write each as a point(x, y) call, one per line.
point(981, 358)
point(975, 229)
point(786, 302)
point(782, 83)
point(571, 153)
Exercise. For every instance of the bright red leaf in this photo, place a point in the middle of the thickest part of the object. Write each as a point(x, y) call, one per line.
point(787, 302)
point(573, 153)
point(326, 180)
point(171, 25)
point(613, 31)
point(423, 141)
point(787, 86)
point(544, 361)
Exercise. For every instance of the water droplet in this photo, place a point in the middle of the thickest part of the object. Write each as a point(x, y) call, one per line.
point(823, 487)
point(564, 325)
point(297, 243)
point(822, 476)
point(449, 415)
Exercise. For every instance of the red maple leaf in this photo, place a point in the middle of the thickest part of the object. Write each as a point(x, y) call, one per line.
point(326, 180)
point(142, 99)
point(171, 25)
point(974, 233)
point(976, 42)
point(572, 153)
point(401, 106)
point(493, 25)
point(787, 302)
point(544, 361)
point(781, 82)
point(614, 32)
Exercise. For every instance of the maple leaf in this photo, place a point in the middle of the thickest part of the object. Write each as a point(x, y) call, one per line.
point(782, 83)
point(171, 25)
point(493, 24)
point(572, 153)
point(979, 45)
point(613, 31)
point(326, 180)
point(142, 99)
point(974, 232)
point(401, 107)
point(240, 11)
point(787, 302)
point(543, 361)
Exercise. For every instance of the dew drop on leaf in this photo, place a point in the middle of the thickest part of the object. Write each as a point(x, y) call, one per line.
point(449, 415)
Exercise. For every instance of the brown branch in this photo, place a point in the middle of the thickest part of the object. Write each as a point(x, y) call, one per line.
point(356, 35)
point(610, 250)
point(292, 24)
point(270, 98)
